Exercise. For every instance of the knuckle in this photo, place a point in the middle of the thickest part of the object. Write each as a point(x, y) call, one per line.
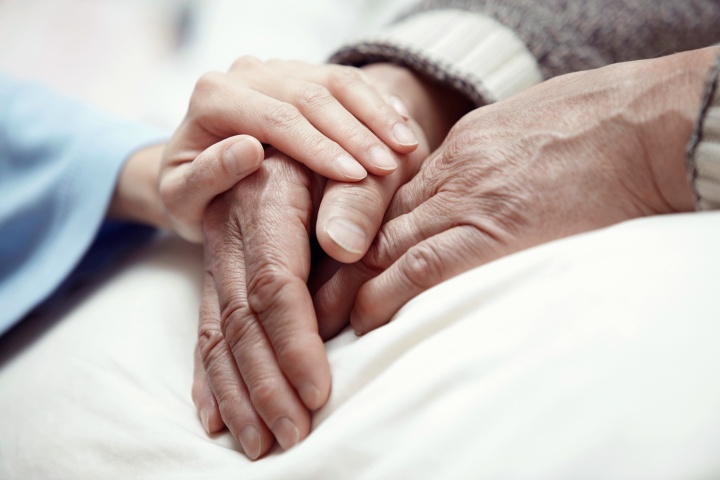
point(282, 116)
point(207, 84)
point(342, 76)
point(234, 408)
point(244, 62)
point(358, 200)
point(236, 322)
point(499, 214)
point(265, 391)
point(289, 350)
point(210, 342)
point(230, 404)
point(378, 258)
point(385, 114)
point(422, 266)
point(208, 87)
point(314, 97)
point(457, 147)
point(265, 287)
point(353, 133)
point(381, 111)
point(319, 147)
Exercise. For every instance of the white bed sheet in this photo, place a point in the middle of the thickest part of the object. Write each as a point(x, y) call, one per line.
point(591, 357)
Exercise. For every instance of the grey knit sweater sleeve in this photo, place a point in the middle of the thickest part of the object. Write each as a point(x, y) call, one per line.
point(491, 49)
point(571, 35)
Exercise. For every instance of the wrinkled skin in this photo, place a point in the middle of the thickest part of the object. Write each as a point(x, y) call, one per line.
point(261, 366)
point(258, 339)
point(576, 153)
point(337, 120)
point(573, 154)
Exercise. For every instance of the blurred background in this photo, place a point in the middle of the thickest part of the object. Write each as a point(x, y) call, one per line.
point(141, 58)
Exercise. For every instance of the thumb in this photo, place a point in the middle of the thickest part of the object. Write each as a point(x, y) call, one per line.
point(188, 188)
point(350, 215)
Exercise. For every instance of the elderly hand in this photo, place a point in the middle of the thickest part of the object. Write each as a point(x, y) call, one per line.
point(331, 118)
point(258, 340)
point(260, 364)
point(576, 153)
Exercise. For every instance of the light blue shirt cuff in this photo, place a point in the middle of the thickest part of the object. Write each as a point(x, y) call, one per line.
point(59, 163)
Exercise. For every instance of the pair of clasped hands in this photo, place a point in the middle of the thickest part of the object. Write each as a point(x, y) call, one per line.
point(351, 171)
point(343, 141)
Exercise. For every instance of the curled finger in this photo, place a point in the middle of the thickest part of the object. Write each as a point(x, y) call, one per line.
point(187, 188)
point(350, 215)
point(423, 266)
point(334, 301)
point(227, 386)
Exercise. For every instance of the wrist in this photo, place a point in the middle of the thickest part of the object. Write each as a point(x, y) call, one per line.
point(434, 107)
point(677, 87)
point(136, 197)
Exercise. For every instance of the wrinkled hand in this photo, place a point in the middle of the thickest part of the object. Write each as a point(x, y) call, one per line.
point(260, 363)
point(576, 153)
point(258, 366)
point(333, 119)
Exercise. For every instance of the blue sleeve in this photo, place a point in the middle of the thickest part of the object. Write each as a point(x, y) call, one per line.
point(59, 162)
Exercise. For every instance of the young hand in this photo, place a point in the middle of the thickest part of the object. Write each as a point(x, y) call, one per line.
point(332, 118)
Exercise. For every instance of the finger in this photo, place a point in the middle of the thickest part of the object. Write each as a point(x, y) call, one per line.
point(228, 388)
point(334, 301)
point(272, 396)
point(349, 86)
point(204, 399)
point(385, 115)
point(418, 189)
point(351, 214)
point(284, 306)
point(423, 266)
point(188, 188)
point(331, 118)
point(228, 108)
point(278, 265)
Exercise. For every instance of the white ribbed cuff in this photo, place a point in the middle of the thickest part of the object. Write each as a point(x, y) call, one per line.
point(705, 156)
point(456, 46)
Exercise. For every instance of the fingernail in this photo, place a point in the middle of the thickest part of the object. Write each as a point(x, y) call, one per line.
point(205, 419)
point(286, 432)
point(350, 168)
point(399, 107)
point(310, 395)
point(347, 235)
point(357, 328)
point(250, 441)
point(403, 134)
point(238, 157)
point(382, 159)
